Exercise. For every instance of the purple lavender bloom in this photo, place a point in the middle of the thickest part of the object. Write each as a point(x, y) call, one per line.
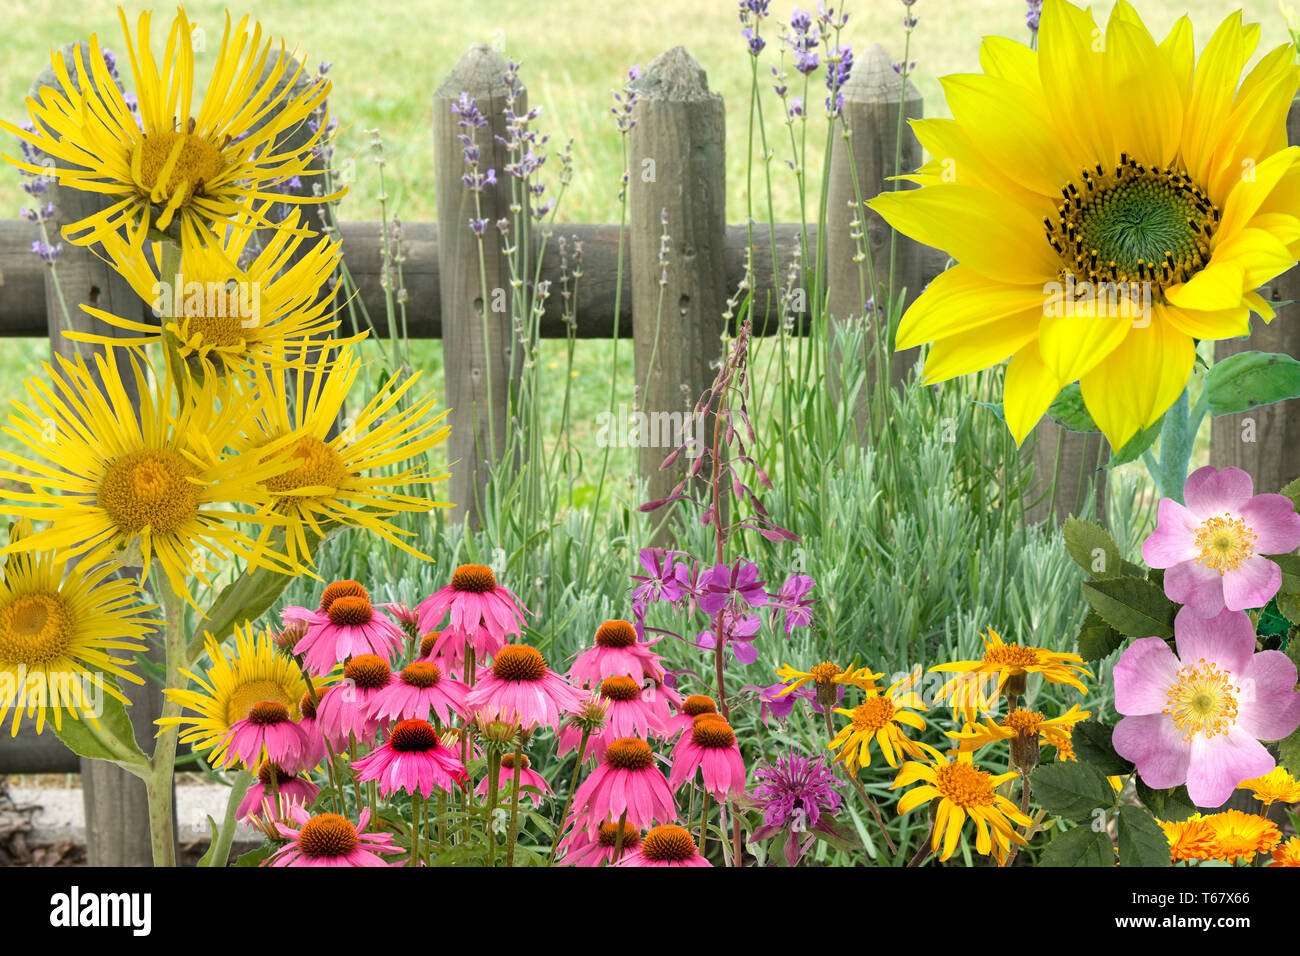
point(721, 582)
point(738, 631)
point(796, 106)
point(839, 64)
point(753, 8)
point(826, 17)
point(1034, 14)
point(478, 227)
point(47, 253)
point(791, 600)
point(798, 798)
point(755, 42)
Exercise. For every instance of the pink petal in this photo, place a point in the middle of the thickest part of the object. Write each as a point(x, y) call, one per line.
point(1221, 762)
point(1227, 640)
point(1156, 746)
point(1211, 492)
point(1143, 675)
point(1174, 539)
point(1275, 523)
point(1197, 586)
point(1252, 584)
point(1269, 707)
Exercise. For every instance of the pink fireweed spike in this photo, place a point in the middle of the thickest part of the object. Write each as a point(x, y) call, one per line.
point(616, 652)
point(1212, 549)
point(412, 760)
point(1198, 716)
point(421, 687)
point(520, 687)
point(710, 747)
point(328, 839)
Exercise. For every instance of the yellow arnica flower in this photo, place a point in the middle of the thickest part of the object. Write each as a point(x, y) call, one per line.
point(963, 790)
point(1288, 854)
point(256, 671)
point(1241, 836)
point(878, 718)
point(826, 675)
point(1189, 839)
point(1006, 667)
point(1276, 786)
point(1028, 726)
point(1108, 200)
point(117, 487)
point(354, 478)
point(176, 166)
point(58, 635)
point(222, 318)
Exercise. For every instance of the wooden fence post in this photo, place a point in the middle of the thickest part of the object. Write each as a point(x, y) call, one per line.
point(678, 186)
point(873, 95)
point(476, 326)
point(116, 807)
point(1265, 441)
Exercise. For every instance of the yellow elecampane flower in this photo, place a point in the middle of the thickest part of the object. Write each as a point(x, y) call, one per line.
point(136, 488)
point(60, 635)
point(223, 319)
point(1109, 200)
point(191, 168)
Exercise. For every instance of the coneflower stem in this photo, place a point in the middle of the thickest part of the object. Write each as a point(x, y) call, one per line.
point(573, 786)
point(415, 829)
point(494, 770)
point(352, 759)
point(514, 804)
point(704, 822)
point(618, 839)
point(275, 791)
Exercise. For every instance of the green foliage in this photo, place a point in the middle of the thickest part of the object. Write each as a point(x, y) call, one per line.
point(1250, 379)
point(1092, 745)
point(110, 737)
point(1133, 607)
point(1071, 790)
point(1139, 839)
point(1097, 640)
point(1081, 846)
point(1169, 805)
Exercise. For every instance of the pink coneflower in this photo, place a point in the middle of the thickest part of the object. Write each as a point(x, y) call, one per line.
point(527, 778)
point(629, 714)
point(292, 790)
point(314, 745)
point(347, 625)
point(345, 708)
point(616, 652)
point(520, 687)
point(710, 746)
point(665, 846)
point(690, 708)
point(626, 782)
point(328, 839)
point(592, 849)
point(420, 688)
point(480, 611)
point(412, 759)
point(588, 718)
point(266, 733)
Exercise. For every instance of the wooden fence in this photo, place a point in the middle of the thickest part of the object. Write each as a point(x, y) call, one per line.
point(680, 125)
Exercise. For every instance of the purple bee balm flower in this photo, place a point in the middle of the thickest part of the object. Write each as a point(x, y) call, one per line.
point(738, 630)
point(798, 612)
point(1198, 716)
point(798, 798)
point(1212, 548)
point(721, 582)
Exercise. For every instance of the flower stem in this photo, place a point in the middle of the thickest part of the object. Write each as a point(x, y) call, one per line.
point(573, 786)
point(221, 849)
point(875, 813)
point(618, 838)
point(514, 804)
point(158, 788)
point(704, 822)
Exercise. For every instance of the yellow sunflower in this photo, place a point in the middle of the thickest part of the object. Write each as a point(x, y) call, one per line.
point(117, 487)
point(963, 790)
point(232, 683)
point(878, 718)
point(223, 318)
point(175, 165)
point(58, 635)
point(1026, 730)
point(1189, 839)
point(1241, 836)
point(1109, 200)
point(1007, 667)
point(1276, 786)
point(351, 478)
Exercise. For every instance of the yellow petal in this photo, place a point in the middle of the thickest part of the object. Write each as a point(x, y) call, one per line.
point(980, 348)
point(960, 300)
point(1030, 388)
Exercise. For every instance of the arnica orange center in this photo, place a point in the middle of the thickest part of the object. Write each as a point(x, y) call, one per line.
point(825, 672)
point(668, 843)
point(712, 732)
point(307, 707)
point(508, 761)
point(962, 784)
point(327, 835)
point(1203, 700)
point(368, 671)
point(872, 714)
point(619, 688)
point(413, 736)
point(698, 704)
point(1024, 723)
point(1012, 655)
point(629, 753)
point(342, 589)
point(268, 712)
point(519, 662)
point(1225, 542)
point(427, 642)
point(421, 674)
point(608, 835)
point(349, 611)
point(475, 578)
point(190, 161)
point(616, 634)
